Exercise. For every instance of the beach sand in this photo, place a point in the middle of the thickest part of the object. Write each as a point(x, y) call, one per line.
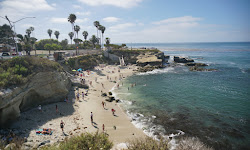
point(76, 113)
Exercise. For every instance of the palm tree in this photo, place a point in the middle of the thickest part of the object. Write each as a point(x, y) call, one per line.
point(50, 32)
point(93, 40)
point(32, 42)
point(71, 34)
point(57, 33)
point(77, 29)
point(97, 24)
point(32, 29)
point(72, 19)
point(102, 29)
point(85, 35)
point(107, 40)
point(28, 32)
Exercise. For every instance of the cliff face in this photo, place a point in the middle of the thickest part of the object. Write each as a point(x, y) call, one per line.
point(42, 88)
point(153, 59)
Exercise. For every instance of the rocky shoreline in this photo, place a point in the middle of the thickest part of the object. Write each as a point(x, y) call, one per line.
point(151, 61)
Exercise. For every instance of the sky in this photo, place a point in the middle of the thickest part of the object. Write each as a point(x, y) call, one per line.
point(135, 21)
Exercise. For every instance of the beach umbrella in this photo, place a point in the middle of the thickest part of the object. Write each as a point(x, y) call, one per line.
point(80, 69)
point(73, 70)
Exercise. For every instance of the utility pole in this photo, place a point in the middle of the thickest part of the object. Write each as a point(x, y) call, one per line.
point(13, 22)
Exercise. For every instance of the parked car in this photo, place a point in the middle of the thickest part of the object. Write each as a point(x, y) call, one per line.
point(5, 54)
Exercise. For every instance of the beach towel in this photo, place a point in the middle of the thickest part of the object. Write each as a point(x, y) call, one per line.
point(45, 131)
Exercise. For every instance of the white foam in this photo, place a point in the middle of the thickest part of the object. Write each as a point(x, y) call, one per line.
point(158, 71)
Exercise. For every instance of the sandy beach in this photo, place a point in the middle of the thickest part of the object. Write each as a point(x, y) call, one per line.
point(76, 113)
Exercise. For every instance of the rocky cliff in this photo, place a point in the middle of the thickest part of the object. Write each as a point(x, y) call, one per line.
point(42, 88)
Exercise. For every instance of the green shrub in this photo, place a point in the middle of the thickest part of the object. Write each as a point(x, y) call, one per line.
point(84, 141)
point(17, 70)
point(148, 144)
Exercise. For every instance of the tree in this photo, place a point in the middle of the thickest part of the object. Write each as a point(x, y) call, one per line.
point(102, 29)
point(57, 33)
point(32, 42)
point(48, 47)
point(72, 19)
point(71, 34)
point(6, 35)
point(25, 42)
point(107, 40)
point(40, 44)
point(85, 35)
point(28, 32)
point(64, 44)
point(77, 41)
point(97, 24)
point(32, 29)
point(77, 29)
point(50, 32)
point(93, 40)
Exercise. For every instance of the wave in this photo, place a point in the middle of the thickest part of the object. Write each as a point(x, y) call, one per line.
point(158, 71)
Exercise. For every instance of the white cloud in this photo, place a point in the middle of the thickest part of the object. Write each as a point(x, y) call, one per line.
point(119, 27)
point(53, 4)
point(17, 8)
point(178, 20)
point(82, 20)
point(87, 13)
point(111, 19)
point(117, 3)
point(59, 20)
point(76, 6)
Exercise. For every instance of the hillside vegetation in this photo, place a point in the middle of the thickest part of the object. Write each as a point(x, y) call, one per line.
point(17, 70)
point(86, 62)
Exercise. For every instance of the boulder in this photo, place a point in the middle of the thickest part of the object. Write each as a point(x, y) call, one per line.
point(11, 146)
point(182, 60)
point(195, 68)
point(196, 64)
point(42, 88)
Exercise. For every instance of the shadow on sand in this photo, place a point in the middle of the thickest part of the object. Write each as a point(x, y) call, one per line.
point(34, 119)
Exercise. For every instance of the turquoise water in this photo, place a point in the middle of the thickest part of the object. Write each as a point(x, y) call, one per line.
point(213, 106)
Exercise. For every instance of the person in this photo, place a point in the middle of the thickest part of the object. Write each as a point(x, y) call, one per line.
point(103, 104)
point(56, 109)
point(113, 111)
point(62, 125)
point(66, 99)
point(103, 127)
point(77, 95)
point(91, 117)
point(40, 108)
point(82, 96)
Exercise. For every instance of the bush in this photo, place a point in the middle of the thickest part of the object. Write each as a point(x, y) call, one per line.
point(148, 143)
point(110, 93)
point(84, 141)
point(16, 71)
point(188, 143)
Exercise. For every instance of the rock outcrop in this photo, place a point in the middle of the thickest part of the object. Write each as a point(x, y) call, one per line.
point(42, 88)
point(182, 60)
point(150, 59)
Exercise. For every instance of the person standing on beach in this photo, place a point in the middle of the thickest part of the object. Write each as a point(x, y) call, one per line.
point(91, 117)
point(103, 127)
point(62, 125)
point(82, 96)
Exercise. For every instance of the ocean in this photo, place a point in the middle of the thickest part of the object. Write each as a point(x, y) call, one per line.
point(211, 105)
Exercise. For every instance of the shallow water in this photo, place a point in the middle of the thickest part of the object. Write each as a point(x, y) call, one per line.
point(213, 106)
